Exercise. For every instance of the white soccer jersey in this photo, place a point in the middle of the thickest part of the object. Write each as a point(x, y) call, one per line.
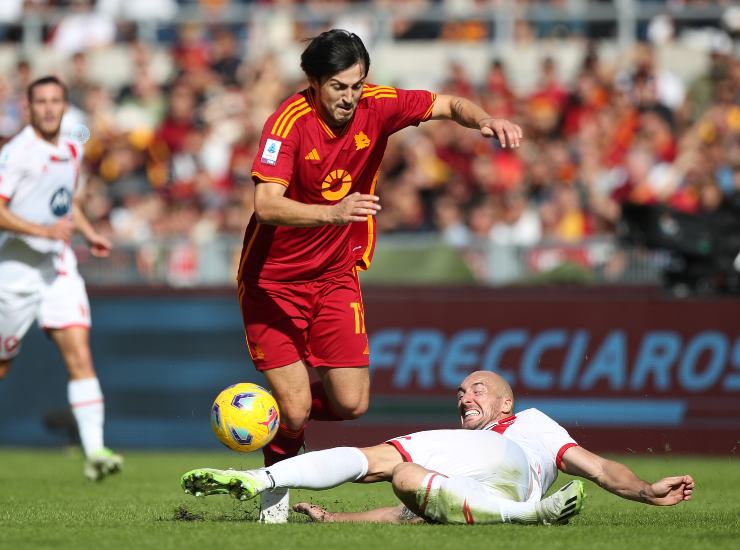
point(541, 438)
point(39, 180)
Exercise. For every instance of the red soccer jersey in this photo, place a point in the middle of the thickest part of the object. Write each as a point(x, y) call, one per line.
point(298, 150)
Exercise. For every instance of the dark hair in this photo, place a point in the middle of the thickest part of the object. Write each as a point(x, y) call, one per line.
point(44, 80)
point(332, 52)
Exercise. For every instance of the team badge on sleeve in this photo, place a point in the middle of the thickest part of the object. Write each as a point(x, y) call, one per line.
point(270, 152)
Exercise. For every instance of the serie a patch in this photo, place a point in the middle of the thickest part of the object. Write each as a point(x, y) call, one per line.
point(270, 152)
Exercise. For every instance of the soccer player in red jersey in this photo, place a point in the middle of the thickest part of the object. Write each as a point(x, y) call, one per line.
point(316, 172)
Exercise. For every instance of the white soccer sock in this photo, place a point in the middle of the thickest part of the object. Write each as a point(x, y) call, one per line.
point(318, 469)
point(518, 512)
point(447, 503)
point(86, 400)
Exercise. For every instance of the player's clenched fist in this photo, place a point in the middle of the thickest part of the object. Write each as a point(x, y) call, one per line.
point(354, 208)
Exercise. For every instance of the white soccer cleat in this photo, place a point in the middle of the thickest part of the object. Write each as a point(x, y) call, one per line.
point(562, 505)
point(274, 506)
point(101, 464)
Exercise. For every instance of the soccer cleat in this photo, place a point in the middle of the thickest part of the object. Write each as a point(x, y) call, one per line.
point(562, 505)
point(274, 506)
point(242, 485)
point(102, 463)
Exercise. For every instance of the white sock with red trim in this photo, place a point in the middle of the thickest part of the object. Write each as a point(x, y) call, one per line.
point(318, 469)
point(86, 400)
point(450, 500)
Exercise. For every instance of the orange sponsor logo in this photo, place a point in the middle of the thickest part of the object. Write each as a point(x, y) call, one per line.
point(336, 185)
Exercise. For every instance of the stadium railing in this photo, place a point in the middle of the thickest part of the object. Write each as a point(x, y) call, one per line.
point(399, 259)
point(623, 20)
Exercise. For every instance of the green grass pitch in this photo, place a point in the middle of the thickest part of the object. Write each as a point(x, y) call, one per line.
point(46, 503)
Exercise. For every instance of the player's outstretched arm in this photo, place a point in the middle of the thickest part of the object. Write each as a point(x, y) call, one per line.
point(468, 114)
point(617, 478)
point(393, 514)
point(271, 207)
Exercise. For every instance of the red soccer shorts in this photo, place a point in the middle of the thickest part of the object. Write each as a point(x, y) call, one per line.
point(321, 322)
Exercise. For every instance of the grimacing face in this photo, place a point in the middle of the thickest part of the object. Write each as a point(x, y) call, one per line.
point(339, 95)
point(46, 109)
point(480, 401)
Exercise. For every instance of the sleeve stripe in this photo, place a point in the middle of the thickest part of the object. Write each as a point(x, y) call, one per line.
point(295, 106)
point(428, 113)
point(287, 116)
point(369, 89)
point(292, 121)
point(297, 110)
point(561, 452)
point(269, 179)
point(385, 92)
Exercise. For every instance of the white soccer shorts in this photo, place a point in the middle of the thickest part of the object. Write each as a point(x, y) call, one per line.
point(52, 292)
point(470, 467)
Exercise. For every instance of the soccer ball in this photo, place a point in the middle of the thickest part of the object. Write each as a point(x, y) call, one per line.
point(245, 417)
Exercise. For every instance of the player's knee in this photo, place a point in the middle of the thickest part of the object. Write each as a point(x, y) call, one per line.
point(294, 416)
point(351, 410)
point(408, 476)
point(406, 481)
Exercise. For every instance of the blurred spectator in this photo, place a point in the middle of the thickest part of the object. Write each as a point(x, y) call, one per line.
point(457, 81)
point(11, 106)
point(82, 29)
point(566, 219)
point(547, 101)
point(77, 81)
point(138, 10)
point(518, 224)
point(226, 58)
point(450, 222)
point(143, 105)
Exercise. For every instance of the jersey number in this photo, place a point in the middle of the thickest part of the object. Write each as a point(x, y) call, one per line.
point(359, 317)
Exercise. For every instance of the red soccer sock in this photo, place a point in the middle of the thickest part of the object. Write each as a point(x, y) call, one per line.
point(285, 444)
point(320, 405)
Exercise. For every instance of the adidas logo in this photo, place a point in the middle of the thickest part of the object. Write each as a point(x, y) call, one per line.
point(312, 155)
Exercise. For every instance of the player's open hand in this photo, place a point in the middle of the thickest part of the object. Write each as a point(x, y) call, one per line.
point(100, 246)
point(354, 208)
point(507, 133)
point(315, 512)
point(672, 490)
point(61, 231)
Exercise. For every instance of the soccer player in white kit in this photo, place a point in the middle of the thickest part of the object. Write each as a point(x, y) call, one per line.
point(494, 470)
point(39, 211)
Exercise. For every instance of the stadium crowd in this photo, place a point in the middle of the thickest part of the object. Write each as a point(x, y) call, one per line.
point(171, 156)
